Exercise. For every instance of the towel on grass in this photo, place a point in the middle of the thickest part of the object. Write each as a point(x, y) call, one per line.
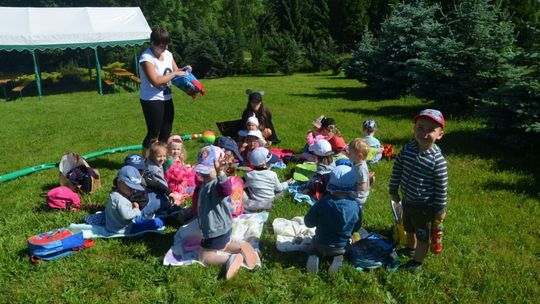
point(299, 196)
point(185, 248)
point(96, 228)
point(292, 235)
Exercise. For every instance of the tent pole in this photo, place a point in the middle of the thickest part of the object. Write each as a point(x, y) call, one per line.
point(36, 73)
point(136, 61)
point(98, 72)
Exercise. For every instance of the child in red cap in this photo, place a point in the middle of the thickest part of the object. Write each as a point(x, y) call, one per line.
point(421, 172)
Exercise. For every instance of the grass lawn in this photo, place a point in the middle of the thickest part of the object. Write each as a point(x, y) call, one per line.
point(491, 243)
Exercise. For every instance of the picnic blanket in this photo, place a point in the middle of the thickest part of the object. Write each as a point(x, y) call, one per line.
point(95, 228)
point(185, 248)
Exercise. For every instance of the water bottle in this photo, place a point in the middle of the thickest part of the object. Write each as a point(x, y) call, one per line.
point(436, 236)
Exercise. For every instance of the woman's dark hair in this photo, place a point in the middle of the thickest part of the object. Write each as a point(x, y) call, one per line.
point(261, 113)
point(159, 36)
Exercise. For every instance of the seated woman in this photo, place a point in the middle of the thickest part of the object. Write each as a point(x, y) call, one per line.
point(255, 106)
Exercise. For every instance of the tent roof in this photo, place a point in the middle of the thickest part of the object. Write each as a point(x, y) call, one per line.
point(31, 28)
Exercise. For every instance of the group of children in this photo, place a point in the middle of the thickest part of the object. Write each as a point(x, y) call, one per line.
point(341, 187)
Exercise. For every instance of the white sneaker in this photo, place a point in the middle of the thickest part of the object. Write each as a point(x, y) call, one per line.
point(337, 262)
point(312, 265)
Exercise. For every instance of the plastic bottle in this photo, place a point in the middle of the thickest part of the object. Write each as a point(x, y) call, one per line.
point(436, 236)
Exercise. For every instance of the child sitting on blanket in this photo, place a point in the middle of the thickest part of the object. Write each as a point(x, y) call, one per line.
point(215, 219)
point(325, 129)
point(252, 124)
point(159, 194)
point(179, 176)
point(316, 186)
point(122, 215)
point(254, 140)
point(261, 184)
point(335, 218)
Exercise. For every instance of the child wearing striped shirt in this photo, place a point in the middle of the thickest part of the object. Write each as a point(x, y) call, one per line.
point(420, 172)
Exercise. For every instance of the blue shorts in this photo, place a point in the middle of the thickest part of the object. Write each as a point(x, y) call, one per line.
point(218, 242)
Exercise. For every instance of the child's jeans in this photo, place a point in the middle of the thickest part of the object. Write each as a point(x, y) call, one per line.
point(156, 202)
point(323, 250)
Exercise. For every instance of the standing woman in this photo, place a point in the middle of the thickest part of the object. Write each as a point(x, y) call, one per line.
point(255, 106)
point(157, 69)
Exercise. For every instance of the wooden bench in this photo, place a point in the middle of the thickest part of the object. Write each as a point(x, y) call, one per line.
point(109, 84)
point(136, 80)
point(19, 88)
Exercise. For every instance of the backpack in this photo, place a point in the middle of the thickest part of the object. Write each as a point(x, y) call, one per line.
point(77, 174)
point(372, 252)
point(56, 243)
point(63, 197)
point(320, 181)
point(235, 200)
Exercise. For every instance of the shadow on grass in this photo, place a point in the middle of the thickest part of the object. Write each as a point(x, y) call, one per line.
point(398, 112)
point(347, 93)
point(103, 163)
point(158, 244)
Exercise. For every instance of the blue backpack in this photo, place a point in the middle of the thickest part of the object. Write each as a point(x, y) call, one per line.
point(373, 251)
point(56, 243)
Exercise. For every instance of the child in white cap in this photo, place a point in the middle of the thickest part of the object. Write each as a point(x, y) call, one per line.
point(316, 186)
point(122, 215)
point(261, 184)
point(215, 219)
point(335, 218)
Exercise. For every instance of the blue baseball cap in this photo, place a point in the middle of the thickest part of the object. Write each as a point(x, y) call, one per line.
point(136, 161)
point(342, 179)
point(369, 125)
point(131, 177)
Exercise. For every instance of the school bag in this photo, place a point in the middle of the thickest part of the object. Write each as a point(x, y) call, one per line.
point(77, 174)
point(56, 243)
point(235, 201)
point(373, 251)
point(62, 197)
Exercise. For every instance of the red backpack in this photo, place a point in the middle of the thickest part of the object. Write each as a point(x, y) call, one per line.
point(63, 197)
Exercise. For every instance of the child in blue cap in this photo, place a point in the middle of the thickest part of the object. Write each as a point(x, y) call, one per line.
point(122, 215)
point(335, 218)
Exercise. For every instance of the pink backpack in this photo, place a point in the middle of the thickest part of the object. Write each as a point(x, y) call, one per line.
point(63, 197)
point(235, 200)
point(180, 179)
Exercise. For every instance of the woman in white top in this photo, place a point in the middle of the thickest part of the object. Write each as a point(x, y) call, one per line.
point(157, 69)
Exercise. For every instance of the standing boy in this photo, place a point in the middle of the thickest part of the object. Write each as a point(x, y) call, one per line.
point(420, 170)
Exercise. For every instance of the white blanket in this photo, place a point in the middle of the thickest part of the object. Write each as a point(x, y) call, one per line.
point(185, 248)
point(292, 235)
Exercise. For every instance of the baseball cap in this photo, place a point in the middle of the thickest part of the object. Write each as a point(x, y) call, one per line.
point(131, 177)
point(206, 157)
point(369, 125)
point(259, 156)
point(327, 121)
point(136, 161)
point(321, 148)
point(344, 162)
point(342, 179)
point(432, 114)
point(256, 133)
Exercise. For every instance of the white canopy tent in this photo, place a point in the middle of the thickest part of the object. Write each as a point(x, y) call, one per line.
point(40, 29)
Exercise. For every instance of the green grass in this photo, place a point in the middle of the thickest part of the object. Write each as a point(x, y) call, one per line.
point(491, 243)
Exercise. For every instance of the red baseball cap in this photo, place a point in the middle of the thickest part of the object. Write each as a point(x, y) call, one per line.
point(434, 115)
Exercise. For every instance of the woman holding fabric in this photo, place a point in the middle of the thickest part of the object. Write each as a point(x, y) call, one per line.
point(158, 68)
